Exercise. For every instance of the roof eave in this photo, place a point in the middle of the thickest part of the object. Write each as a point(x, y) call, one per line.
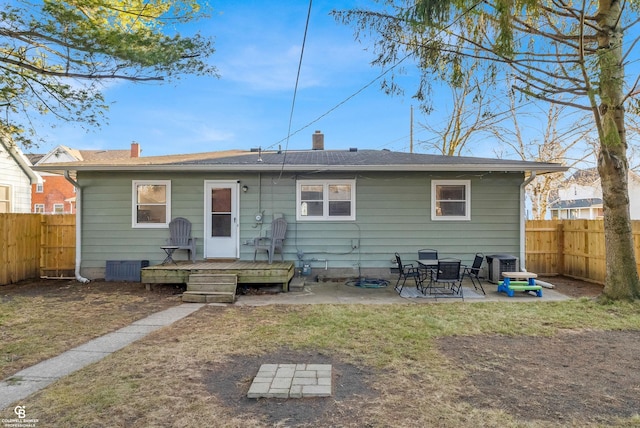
point(23, 163)
point(539, 169)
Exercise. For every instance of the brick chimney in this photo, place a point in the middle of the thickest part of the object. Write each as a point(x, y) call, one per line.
point(317, 140)
point(135, 150)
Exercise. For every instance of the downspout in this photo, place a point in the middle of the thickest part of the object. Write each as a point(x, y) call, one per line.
point(79, 277)
point(522, 221)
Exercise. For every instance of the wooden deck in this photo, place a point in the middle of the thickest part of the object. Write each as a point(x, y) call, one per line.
point(248, 272)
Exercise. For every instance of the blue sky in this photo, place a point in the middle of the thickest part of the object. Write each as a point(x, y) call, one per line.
point(257, 53)
point(258, 47)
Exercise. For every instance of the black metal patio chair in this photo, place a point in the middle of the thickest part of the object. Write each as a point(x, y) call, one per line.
point(446, 279)
point(406, 271)
point(473, 272)
point(425, 256)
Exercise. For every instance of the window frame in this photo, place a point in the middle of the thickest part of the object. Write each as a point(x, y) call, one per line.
point(8, 201)
point(40, 187)
point(325, 200)
point(38, 208)
point(134, 204)
point(467, 200)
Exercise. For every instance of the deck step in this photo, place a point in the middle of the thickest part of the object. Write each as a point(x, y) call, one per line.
point(207, 297)
point(296, 284)
point(211, 288)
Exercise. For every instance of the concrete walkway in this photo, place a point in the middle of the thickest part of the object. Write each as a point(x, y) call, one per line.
point(34, 378)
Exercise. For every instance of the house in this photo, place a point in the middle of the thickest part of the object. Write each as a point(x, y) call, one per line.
point(348, 211)
point(57, 195)
point(16, 177)
point(580, 197)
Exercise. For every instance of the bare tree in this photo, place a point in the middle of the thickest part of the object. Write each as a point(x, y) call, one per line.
point(471, 114)
point(554, 136)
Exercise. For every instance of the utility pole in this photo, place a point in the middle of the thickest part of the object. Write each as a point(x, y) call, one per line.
point(411, 131)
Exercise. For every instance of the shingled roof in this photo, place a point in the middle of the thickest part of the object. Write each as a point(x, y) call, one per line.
point(307, 160)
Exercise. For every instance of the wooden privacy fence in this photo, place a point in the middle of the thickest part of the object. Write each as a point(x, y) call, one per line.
point(573, 248)
point(35, 245)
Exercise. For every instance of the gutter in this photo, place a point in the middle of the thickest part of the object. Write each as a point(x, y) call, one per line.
point(543, 169)
point(523, 253)
point(75, 184)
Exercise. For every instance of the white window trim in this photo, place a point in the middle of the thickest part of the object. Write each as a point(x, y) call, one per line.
point(325, 200)
point(36, 206)
point(134, 204)
point(467, 205)
point(58, 206)
point(10, 200)
point(40, 187)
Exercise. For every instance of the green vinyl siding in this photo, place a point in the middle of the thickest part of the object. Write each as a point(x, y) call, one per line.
point(393, 214)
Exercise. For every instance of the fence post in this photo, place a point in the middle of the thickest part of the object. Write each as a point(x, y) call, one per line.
point(560, 250)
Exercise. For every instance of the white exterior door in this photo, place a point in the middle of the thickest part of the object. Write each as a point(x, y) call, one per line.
point(221, 219)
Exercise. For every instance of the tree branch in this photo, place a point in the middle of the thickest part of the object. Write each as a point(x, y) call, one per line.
point(89, 76)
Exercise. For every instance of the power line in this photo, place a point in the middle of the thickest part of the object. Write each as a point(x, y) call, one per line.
point(295, 89)
point(341, 102)
point(290, 134)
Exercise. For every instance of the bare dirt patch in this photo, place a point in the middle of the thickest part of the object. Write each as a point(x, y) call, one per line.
point(591, 376)
point(574, 287)
point(351, 391)
point(72, 290)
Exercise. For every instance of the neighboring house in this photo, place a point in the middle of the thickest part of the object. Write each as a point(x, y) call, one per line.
point(580, 197)
point(348, 211)
point(16, 177)
point(57, 195)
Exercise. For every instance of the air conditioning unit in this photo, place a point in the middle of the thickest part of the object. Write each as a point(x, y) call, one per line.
point(498, 263)
point(124, 270)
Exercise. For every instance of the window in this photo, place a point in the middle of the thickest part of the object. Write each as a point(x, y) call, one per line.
point(38, 208)
point(151, 203)
point(451, 200)
point(5, 199)
point(39, 187)
point(326, 200)
point(58, 208)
